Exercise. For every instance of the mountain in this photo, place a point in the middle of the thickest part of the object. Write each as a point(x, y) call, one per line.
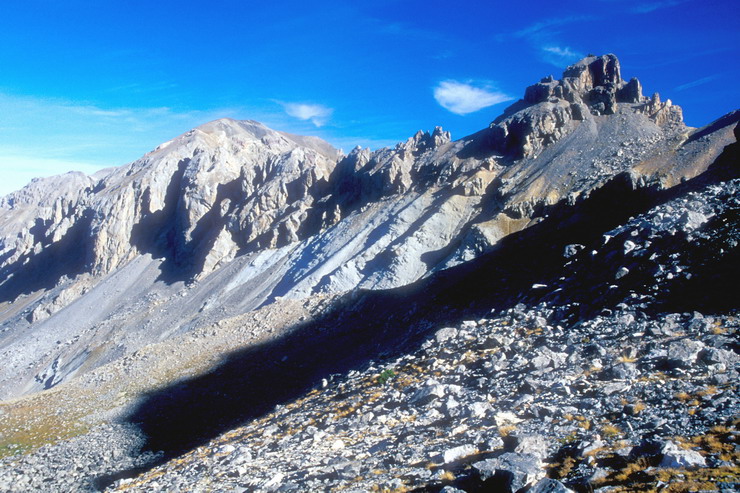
point(167, 306)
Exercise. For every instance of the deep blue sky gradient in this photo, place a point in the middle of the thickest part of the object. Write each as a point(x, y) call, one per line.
point(88, 84)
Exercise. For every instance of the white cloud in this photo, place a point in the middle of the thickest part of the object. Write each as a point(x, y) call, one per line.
point(462, 98)
point(315, 113)
point(698, 82)
point(556, 50)
point(560, 55)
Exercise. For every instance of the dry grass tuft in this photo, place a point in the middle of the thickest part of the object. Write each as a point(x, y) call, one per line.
point(506, 430)
point(448, 476)
point(631, 469)
point(683, 396)
point(562, 469)
point(610, 431)
point(638, 407)
point(583, 422)
point(710, 390)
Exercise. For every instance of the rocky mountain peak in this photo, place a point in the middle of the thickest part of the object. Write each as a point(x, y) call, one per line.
point(594, 71)
point(552, 108)
point(424, 141)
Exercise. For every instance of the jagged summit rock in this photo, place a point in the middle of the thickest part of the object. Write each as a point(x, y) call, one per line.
point(551, 108)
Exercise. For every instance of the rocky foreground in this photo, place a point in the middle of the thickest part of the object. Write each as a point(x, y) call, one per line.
point(529, 397)
point(618, 403)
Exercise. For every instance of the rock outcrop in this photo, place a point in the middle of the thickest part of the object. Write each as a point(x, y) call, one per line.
point(236, 177)
point(551, 108)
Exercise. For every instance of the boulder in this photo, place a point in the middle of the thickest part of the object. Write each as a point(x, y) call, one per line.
point(457, 453)
point(531, 444)
point(675, 457)
point(683, 353)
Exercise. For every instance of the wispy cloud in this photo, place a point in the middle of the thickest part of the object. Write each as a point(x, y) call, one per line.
point(697, 82)
point(564, 52)
point(315, 113)
point(646, 8)
point(545, 27)
point(139, 88)
point(560, 55)
point(463, 98)
point(545, 37)
point(643, 6)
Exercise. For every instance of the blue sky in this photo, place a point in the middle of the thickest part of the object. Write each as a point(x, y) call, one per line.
point(91, 84)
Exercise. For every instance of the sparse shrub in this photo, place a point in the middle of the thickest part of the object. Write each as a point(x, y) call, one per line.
point(385, 376)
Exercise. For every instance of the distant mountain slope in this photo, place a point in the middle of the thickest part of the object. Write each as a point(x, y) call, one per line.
point(233, 215)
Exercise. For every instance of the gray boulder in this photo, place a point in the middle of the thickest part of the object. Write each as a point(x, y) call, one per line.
point(683, 353)
point(675, 457)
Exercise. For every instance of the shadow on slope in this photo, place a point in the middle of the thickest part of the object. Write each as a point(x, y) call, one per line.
point(365, 326)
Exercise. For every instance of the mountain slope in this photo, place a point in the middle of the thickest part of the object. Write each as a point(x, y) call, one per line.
point(560, 355)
